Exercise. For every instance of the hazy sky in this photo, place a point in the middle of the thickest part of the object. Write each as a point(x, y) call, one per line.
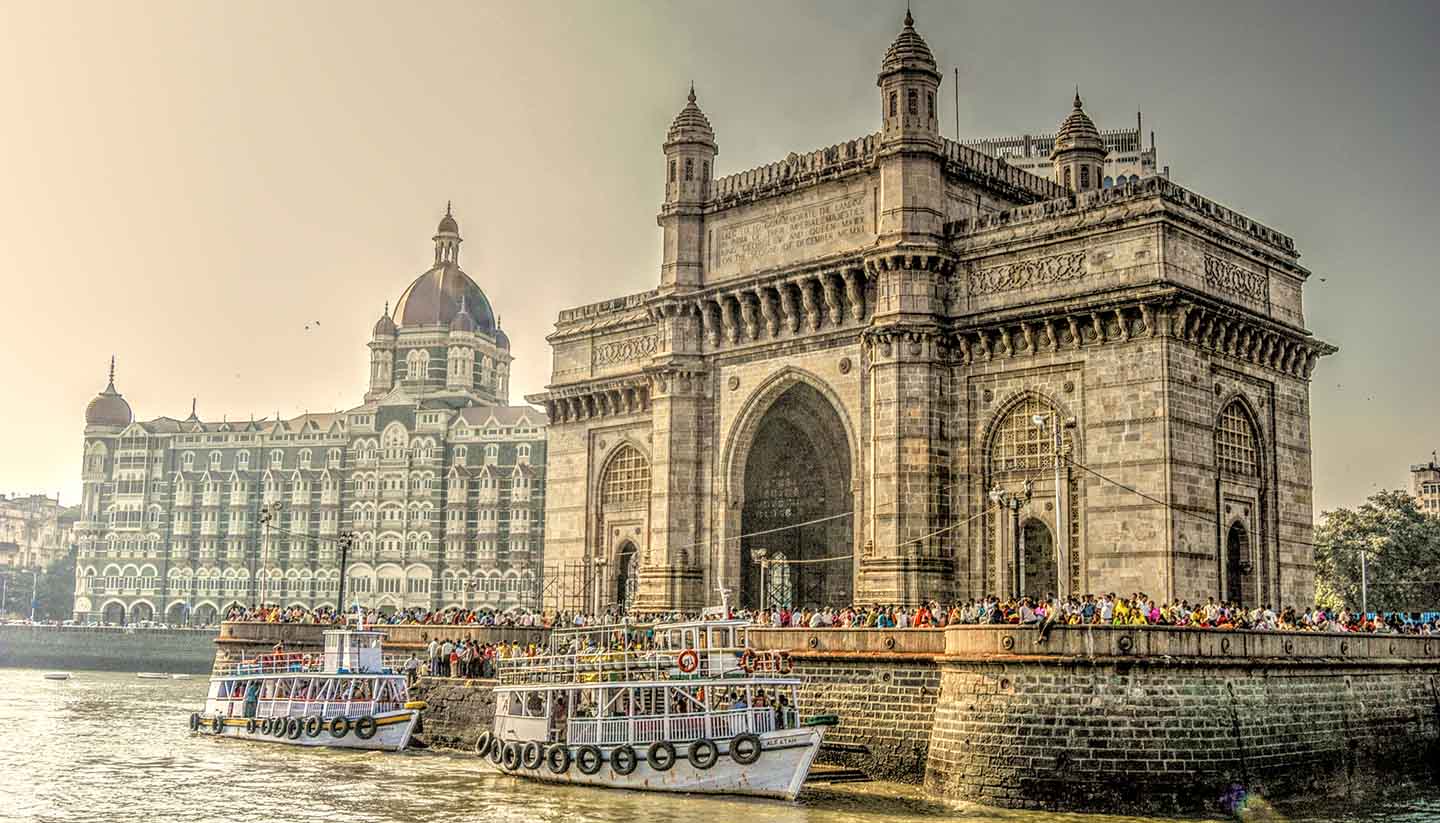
point(188, 185)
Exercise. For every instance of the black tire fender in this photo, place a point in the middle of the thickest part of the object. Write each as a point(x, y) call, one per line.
point(558, 759)
point(250, 725)
point(533, 755)
point(482, 744)
point(497, 750)
point(365, 727)
point(294, 727)
point(314, 725)
point(511, 757)
point(661, 755)
point(704, 753)
point(745, 749)
point(194, 721)
point(339, 726)
point(217, 724)
point(623, 759)
point(588, 759)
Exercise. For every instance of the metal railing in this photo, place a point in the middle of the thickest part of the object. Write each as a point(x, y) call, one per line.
point(674, 728)
point(615, 666)
point(274, 664)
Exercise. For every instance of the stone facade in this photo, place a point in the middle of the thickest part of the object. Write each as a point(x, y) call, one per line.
point(35, 531)
point(1425, 485)
point(861, 360)
point(1126, 158)
point(435, 480)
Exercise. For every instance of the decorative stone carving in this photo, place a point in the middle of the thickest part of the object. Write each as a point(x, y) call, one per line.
point(734, 382)
point(623, 351)
point(1227, 277)
point(1025, 274)
point(844, 365)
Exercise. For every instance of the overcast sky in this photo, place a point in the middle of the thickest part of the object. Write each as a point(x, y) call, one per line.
point(190, 185)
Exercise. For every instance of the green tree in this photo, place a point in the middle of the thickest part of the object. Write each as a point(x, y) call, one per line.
point(56, 589)
point(1403, 548)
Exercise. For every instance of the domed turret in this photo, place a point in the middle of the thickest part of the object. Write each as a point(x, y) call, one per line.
point(909, 79)
point(909, 51)
point(690, 125)
point(690, 151)
point(385, 327)
point(437, 296)
point(1078, 158)
point(108, 408)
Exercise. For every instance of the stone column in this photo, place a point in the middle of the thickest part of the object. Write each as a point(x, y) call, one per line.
point(670, 573)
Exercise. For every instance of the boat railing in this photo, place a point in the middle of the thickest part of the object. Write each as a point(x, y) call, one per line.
point(282, 707)
point(273, 664)
point(617, 666)
point(675, 728)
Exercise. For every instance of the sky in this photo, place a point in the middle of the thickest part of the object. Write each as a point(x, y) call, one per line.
point(224, 195)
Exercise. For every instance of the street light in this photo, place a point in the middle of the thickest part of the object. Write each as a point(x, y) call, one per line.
point(268, 513)
point(346, 540)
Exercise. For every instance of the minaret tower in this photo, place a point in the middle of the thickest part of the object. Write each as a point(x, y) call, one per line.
point(382, 356)
point(1079, 154)
point(690, 151)
point(447, 239)
point(910, 143)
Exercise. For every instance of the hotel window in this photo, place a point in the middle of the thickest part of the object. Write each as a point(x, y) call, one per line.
point(1235, 441)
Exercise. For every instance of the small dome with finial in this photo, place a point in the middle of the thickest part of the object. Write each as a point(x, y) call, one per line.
point(108, 408)
point(691, 125)
point(447, 223)
point(463, 321)
point(909, 51)
point(385, 326)
point(1078, 131)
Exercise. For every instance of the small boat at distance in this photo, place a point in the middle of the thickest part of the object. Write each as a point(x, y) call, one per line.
point(696, 712)
point(345, 698)
point(152, 676)
point(57, 675)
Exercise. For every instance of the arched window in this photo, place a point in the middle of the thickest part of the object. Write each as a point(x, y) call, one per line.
point(1084, 178)
point(689, 168)
point(1235, 450)
point(242, 461)
point(930, 104)
point(1018, 444)
point(893, 109)
point(188, 461)
point(1067, 177)
point(912, 101)
point(672, 171)
point(626, 481)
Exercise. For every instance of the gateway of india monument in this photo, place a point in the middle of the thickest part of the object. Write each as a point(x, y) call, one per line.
point(889, 339)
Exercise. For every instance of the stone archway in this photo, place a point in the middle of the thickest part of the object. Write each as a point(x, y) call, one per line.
point(113, 613)
point(178, 614)
point(627, 575)
point(205, 614)
point(1239, 585)
point(1039, 571)
point(796, 469)
point(142, 612)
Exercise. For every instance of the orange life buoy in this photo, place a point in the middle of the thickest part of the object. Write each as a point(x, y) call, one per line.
point(747, 661)
point(689, 661)
point(786, 665)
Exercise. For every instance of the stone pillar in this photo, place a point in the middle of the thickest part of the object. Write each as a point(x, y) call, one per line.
point(670, 572)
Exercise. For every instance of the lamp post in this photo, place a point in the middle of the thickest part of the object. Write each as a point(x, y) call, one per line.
point(34, 592)
point(760, 557)
point(345, 541)
point(268, 513)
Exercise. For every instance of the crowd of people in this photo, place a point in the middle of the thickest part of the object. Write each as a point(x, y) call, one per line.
point(1139, 609)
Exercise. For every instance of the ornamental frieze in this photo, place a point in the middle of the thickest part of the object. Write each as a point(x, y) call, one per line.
point(1224, 276)
point(1027, 274)
point(623, 351)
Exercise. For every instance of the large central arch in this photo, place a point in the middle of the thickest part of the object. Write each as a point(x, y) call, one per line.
point(792, 464)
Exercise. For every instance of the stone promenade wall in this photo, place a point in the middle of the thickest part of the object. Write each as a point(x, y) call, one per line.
point(457, 711)
point(1116, 718)
point(107, 648)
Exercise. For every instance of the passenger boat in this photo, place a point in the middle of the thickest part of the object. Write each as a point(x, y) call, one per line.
point(690, 710)
point(344, 698)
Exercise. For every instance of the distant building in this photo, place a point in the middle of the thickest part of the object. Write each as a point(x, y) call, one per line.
point(1126, 158)
point(438, 478)
point(1425, 485)
point(35, 531)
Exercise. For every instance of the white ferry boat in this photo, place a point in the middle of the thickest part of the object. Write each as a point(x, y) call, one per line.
point(344, 698)
point(692, 709)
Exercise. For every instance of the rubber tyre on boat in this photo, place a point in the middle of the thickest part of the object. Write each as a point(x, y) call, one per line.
point(194, 721)
point(558, 759)
point(294, 727)
point(623, 759)
point(511, 757)
point(365, 727)
point(745, 749)
point(339, 726)
point(704, 753)
point(265, 726)
point(497, 751)
point(482, 744)
point(250, 725)
point(217, 724)
point(314, 725)
point(277, 726)
point(661, 755)
point(533, 756)
point(588, 759)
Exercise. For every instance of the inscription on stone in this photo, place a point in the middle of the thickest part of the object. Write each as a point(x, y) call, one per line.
point(623, 351)
point(789, 234)
point(1224, 276)
point(1025, 274)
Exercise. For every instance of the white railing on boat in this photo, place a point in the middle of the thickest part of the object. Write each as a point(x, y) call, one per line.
point(235, 707)
point(675, 728)
point(273, 664)
point(616, 666)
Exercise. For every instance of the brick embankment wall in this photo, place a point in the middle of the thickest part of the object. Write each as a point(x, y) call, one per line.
point(457, 711)
point(1174, 721)
point(99, 648)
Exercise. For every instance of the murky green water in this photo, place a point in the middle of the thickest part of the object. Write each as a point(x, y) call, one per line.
point(113, 747)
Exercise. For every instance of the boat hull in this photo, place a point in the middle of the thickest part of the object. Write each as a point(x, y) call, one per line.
point(392, 733)
point(785, 760)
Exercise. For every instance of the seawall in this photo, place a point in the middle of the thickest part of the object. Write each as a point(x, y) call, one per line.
point(108, 648)
point(1124, 718)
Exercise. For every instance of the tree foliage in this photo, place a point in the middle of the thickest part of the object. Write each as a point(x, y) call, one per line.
point(1403, 548)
